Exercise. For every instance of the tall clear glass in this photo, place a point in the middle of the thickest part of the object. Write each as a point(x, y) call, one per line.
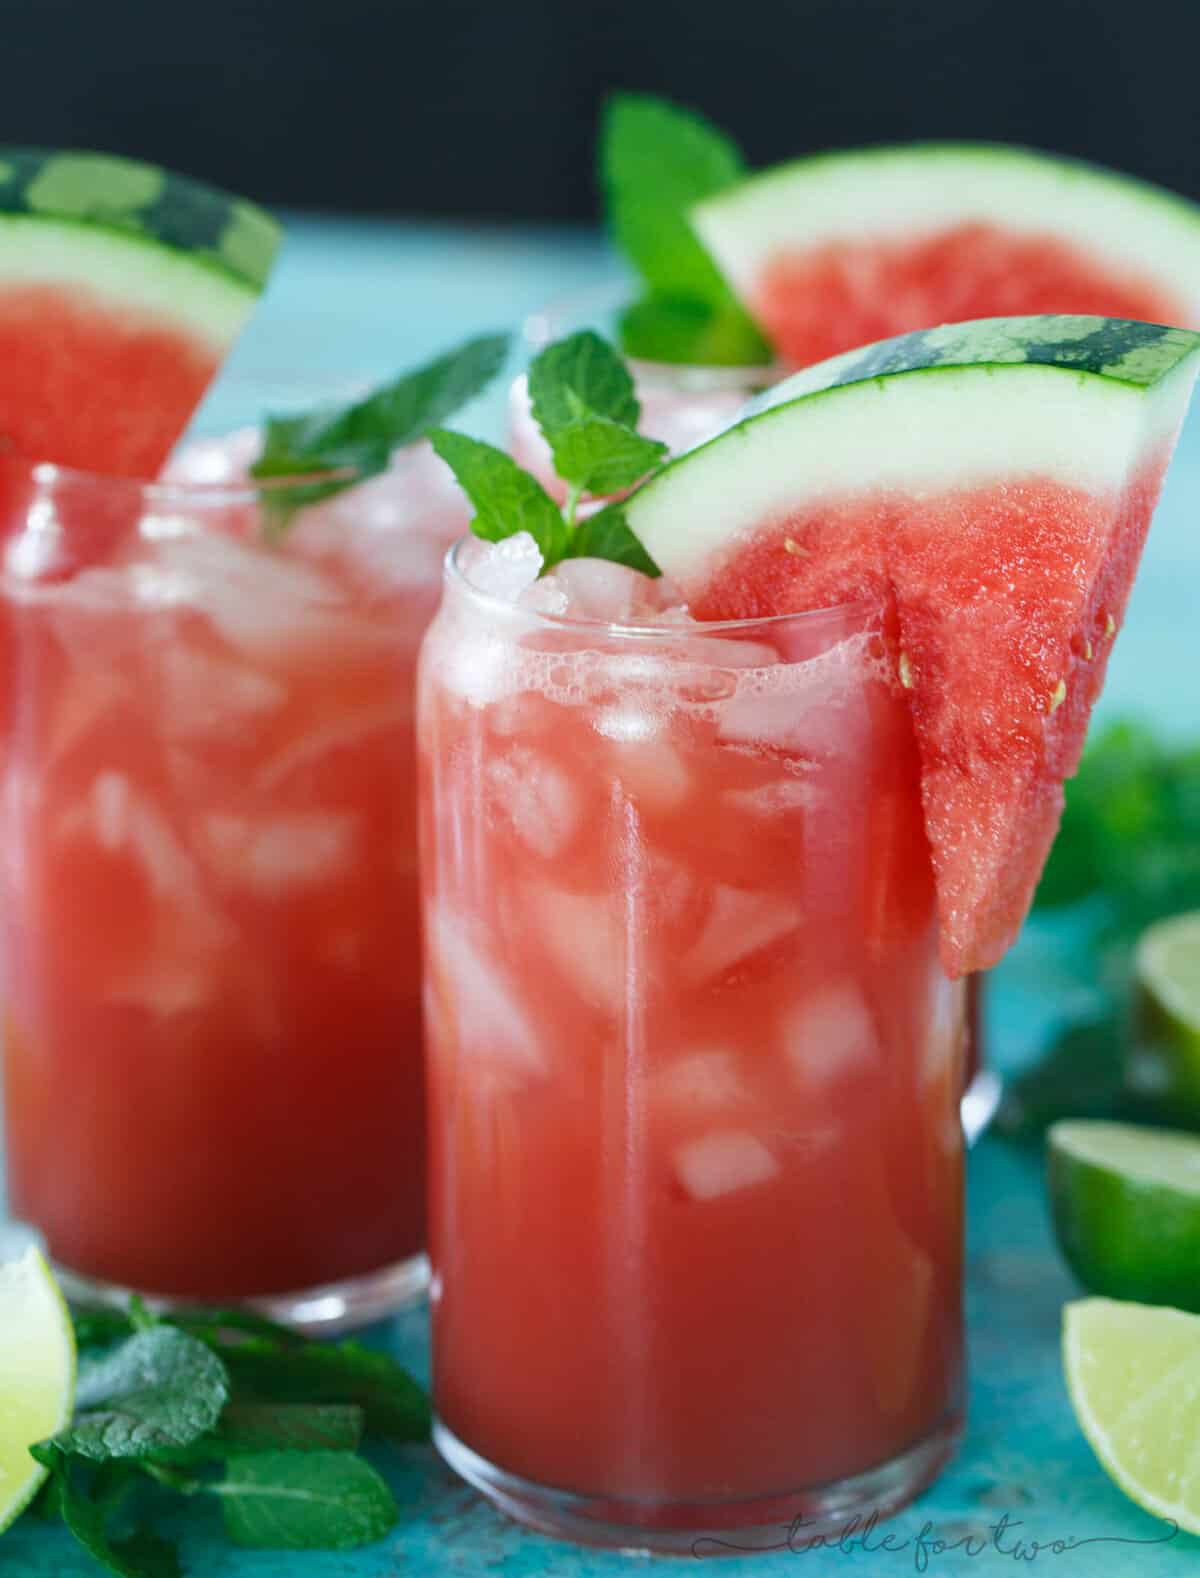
point(208, 893)
point(694, 1073)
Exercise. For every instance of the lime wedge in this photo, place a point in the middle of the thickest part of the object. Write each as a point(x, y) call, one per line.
point(1126, 1207)
point(1163, 1062)
point(37, 1375)
point(1133, 1374)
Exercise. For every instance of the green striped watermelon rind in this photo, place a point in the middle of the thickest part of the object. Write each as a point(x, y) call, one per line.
point(125, 197)
point(1128, 352)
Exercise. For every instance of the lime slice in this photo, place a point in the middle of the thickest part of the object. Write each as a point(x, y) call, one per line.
point(37, 1375)
point(1126, 1207)
point(1133, 1374)
point(1163, 1062)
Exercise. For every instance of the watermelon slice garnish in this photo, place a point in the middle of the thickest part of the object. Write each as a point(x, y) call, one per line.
point(843, 249)
point(122, 288)
point(994, 481)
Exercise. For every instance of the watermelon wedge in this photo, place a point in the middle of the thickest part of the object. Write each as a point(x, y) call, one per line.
point(122, 288)
point(994, 481)
point(844, 249)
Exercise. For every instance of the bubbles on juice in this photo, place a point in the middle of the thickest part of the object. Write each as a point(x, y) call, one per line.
point(810, 708)
point(722, 1163)
point(740, 924)
point(831, 1033)
point(537, 798)
point(275, 856)
point(478, 999)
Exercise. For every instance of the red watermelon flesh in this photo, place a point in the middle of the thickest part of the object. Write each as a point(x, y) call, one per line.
point(1007, 599)
point(91, 384)
point(847, 293)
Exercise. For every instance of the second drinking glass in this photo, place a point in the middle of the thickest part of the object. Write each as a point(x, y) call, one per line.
point(694, 1068)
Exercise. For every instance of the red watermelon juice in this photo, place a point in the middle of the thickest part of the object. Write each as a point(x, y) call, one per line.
point(212, 1072)
point(694, 1067)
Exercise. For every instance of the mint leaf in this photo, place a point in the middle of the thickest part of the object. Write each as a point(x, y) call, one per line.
point(583, 399)
point(578, 376)
point(662, 328)
point(268, 1427)
point(159, 1389)
point(600, 456)
point(506, 499)
point(91, 1506)
point(607, 535)
point(300, 1501)
point(656, 163)
point(393, 1403)
point(360, 438)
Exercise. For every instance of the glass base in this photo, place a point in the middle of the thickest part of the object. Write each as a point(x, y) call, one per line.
point(979, 1103)
point(785, 1521)
point(317, 1312)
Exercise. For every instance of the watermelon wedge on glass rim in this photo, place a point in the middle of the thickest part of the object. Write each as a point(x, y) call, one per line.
point(122, 289)
point(842, 249)
point(993, 482)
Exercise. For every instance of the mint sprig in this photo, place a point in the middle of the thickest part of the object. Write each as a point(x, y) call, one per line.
point(359, 439)
point(585, 403)
point(656, 162)
point(236, 1409)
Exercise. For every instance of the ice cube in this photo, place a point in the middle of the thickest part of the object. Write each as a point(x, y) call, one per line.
point(478, 999)
point(209, 462)
point(816, 707)
point(831, 1033)
point(397, 525)
point(347, 733)
point(600, 589)
point(537, 797)
point(202, 694)
point(274, 856)
point(584, 935)
point(166, 987)
point(722, 1163)
point(258, 599)
point(501, 569)
point(701, 1080)
point(740, 923)
point(124, 822)
point(780, 797)
point(650, 769)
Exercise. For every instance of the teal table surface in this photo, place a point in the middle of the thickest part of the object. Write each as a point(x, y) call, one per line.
point(360, 301)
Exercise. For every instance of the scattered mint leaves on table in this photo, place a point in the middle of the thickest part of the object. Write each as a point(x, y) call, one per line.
point(224, 1405)
point(358, 440)
point(584, 401)
point(656, 162)
point(1128, 850)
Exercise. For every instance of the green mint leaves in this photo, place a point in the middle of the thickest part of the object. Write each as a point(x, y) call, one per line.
point(358, 440)
point(584, 401)
point(234, 1408)
point(303, 1501)
point(656, 163)
point(158, 1390)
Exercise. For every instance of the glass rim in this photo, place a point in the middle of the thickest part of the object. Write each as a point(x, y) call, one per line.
point(49, 474)
point(455, 575)
point(551, 321)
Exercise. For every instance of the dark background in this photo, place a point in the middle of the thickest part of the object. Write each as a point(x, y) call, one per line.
point(487, 108)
